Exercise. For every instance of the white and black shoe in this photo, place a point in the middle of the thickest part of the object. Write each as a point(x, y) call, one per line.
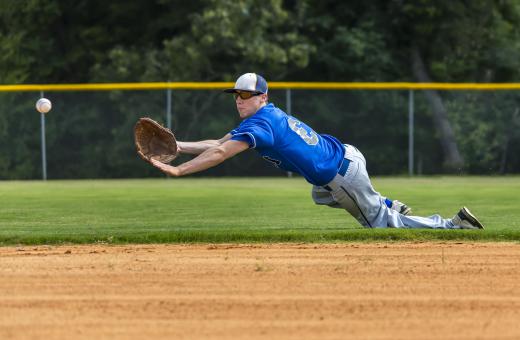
point(466, 220)
point(400, 207)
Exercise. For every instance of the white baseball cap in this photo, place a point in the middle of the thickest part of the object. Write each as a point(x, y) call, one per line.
point(250, 82)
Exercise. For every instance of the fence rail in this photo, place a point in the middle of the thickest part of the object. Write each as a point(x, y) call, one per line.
point(272, 85)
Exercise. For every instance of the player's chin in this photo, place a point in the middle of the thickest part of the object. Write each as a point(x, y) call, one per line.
point(243, 113)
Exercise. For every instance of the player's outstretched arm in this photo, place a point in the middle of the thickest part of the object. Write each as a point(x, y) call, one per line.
point(209, 158)
point(196, 148)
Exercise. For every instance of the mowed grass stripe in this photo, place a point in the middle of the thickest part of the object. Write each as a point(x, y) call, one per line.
point(239, 210)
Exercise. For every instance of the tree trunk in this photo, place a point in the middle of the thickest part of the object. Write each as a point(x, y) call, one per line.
point(453, 160)
point(508, 136)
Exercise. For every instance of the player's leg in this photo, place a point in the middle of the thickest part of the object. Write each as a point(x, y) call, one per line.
point(334, 195)
point(321, 196)
point(398, 206)
point(355, 193)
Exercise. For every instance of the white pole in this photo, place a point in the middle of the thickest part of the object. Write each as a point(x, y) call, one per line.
point(44, 155)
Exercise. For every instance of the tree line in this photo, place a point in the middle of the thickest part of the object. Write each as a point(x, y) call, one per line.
point(59, 41)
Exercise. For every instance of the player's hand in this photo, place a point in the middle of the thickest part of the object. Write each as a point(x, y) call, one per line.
point(167, 169)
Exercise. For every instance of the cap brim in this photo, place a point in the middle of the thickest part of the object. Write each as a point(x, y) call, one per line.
point(235, 91)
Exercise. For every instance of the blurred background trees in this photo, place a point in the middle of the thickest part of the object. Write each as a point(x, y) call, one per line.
point(89, 135)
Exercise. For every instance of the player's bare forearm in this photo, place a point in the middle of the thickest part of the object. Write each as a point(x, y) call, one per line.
point(209, 158)
point(196, 148)
point(205, 160)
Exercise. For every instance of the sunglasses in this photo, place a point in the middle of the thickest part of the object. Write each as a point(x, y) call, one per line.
point(245, 94)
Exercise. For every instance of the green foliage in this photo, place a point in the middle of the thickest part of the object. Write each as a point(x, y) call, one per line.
point(461, 40)
point(59, 41)
point(487, 125)
point(217, 43)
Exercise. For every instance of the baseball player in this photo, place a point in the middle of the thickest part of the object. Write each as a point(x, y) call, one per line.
point(337, 171)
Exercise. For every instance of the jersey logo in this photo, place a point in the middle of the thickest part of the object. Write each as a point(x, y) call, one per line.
point(310, 137)
point(275, 162)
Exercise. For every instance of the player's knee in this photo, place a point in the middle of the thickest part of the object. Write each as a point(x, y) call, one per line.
point(323, 198)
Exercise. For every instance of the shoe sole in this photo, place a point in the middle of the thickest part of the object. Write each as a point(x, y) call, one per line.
point(406, 211)
point(471, 218)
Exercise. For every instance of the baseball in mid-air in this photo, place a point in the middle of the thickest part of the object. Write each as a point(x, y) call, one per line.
point(43, 105)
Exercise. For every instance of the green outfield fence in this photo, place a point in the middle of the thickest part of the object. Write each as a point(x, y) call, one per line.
point(306, 96)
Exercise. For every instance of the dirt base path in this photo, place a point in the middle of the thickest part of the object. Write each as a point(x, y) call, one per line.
point(362, 291)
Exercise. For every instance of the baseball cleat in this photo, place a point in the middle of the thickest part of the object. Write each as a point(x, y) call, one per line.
point(466, 220)
point(401, 208)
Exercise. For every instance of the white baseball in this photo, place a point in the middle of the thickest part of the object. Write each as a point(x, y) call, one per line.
point(43, 105)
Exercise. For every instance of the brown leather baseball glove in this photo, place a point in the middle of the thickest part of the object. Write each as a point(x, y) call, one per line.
point(153, 141)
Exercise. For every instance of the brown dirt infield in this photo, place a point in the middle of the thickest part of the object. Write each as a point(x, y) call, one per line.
point(281, 291)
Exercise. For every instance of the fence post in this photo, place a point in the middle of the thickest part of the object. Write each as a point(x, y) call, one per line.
point(169, 108)
point(410, 132)
point(288, 106)
point(44, 155)
point(288, 101)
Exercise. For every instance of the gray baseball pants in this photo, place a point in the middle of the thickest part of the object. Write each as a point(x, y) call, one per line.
point(354, 193)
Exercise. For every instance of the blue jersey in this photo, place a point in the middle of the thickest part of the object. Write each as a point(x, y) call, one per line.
point(291, 145)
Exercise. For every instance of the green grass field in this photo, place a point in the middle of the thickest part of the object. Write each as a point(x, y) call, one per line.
point(239, 210)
